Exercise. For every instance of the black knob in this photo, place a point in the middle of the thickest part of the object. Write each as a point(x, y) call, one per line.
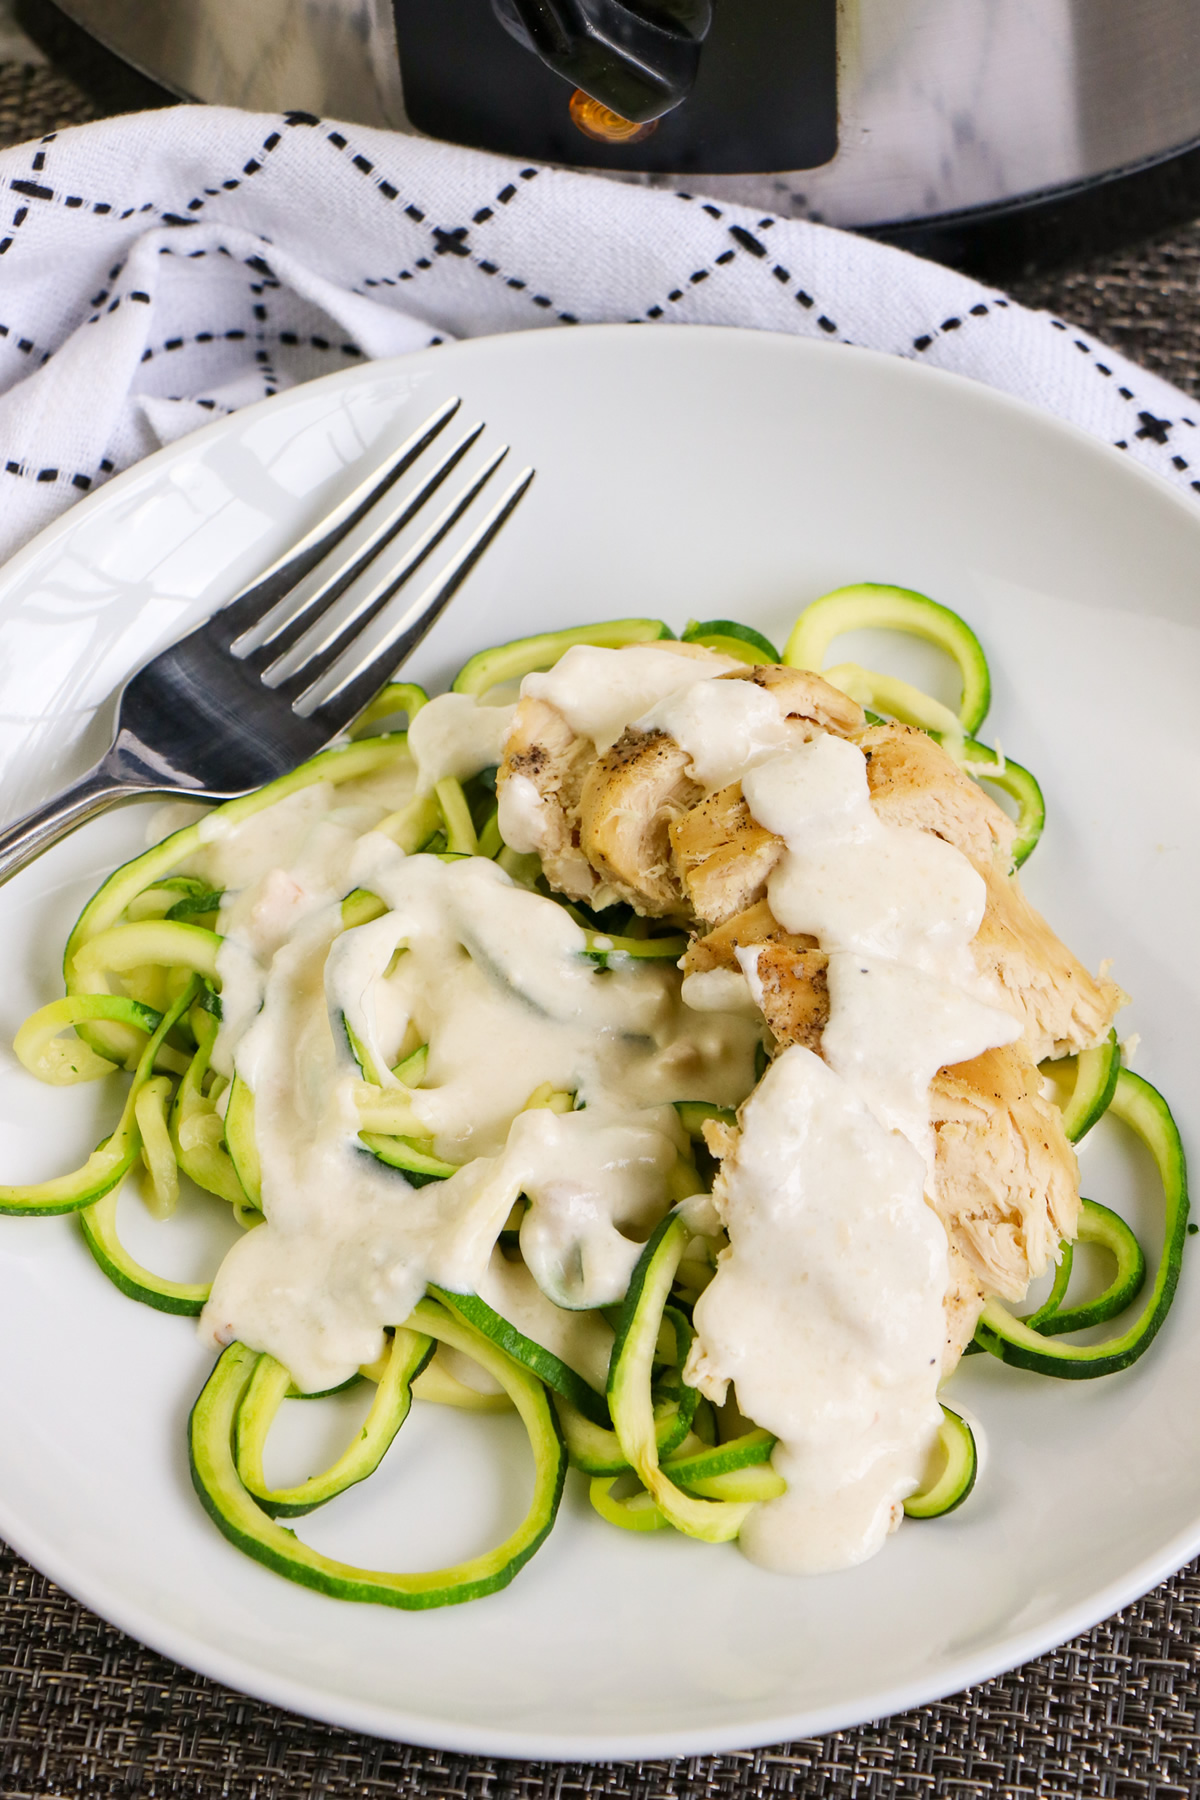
point(639, 57)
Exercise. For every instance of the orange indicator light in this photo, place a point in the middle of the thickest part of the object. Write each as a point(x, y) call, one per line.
point(598, 121)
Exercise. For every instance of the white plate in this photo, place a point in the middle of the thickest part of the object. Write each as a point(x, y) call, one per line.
point(682, 473)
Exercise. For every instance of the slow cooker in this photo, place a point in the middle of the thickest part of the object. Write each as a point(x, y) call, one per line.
point(864, 113)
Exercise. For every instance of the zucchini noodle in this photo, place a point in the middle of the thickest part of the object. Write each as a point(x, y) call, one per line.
point(603, 1387)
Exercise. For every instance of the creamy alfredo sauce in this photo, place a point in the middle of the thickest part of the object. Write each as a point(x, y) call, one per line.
point(496, 981)
point(827, 1308)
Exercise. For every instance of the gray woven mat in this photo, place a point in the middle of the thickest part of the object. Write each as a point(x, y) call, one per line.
point(85, 1711)
point(35, 99)
point(1145, 301)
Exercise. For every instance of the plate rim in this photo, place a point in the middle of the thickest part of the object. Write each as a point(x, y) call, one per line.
point(903, 367)
point(396, 1726)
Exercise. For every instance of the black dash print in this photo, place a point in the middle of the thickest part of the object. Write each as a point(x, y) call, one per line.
point(1155, 430)
point(747, 240)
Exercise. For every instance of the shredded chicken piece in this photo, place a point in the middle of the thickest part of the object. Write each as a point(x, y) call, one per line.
point(912, 781)
point(1007, 1183)
point(543, 752)
point(757, 925)
point(722, 856)
point(631, 795)
point(1062, 1007)
point(791, 972)
point(807, 699)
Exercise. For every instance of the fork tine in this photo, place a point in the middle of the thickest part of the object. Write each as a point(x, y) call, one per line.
point(372, 656)
point(319, 590)
point(265, 590)
point(358, 609)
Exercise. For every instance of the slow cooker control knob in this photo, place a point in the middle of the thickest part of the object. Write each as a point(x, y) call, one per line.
point(637, 57)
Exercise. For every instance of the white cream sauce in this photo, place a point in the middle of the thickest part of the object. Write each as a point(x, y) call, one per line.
point(582, 1340)
point(276, 868)
point(599, 692)
point(827, 1308)
point(454, 735)
point(827, 1314)
point(726, 727)
point(521, 815)
point(493, 978)
point(723, 990)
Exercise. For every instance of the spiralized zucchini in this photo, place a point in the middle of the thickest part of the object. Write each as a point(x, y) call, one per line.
point(142, 976)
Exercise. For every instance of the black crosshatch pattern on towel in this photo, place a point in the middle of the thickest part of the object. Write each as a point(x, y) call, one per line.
point(1114, 1715)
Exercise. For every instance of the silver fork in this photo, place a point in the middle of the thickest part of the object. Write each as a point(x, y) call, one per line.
point(277, 673)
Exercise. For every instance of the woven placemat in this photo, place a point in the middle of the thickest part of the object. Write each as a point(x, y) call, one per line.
point(35, 99)
point(1144, 300)
point(85, 1711)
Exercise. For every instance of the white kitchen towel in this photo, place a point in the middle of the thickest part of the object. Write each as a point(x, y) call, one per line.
point(159, 269)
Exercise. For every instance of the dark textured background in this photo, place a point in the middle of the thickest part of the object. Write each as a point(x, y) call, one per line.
point(85, 1711)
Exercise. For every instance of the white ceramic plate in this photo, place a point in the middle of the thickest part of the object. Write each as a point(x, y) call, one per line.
point(683, 473)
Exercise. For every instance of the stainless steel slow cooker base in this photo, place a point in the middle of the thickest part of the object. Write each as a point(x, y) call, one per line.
point(945, 105)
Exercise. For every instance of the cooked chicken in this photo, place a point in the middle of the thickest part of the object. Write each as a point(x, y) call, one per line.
point(631, 795)
point(547, 763)
point(914, 782)
point(757, 925)
point(636, 824)
point(1062, 1007)
point(805, 698)
point(790, 969)
point(722, 857)
point(603, 821)
point(1007, 1183)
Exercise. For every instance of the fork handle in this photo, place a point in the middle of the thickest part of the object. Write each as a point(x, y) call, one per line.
point(28, 836)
